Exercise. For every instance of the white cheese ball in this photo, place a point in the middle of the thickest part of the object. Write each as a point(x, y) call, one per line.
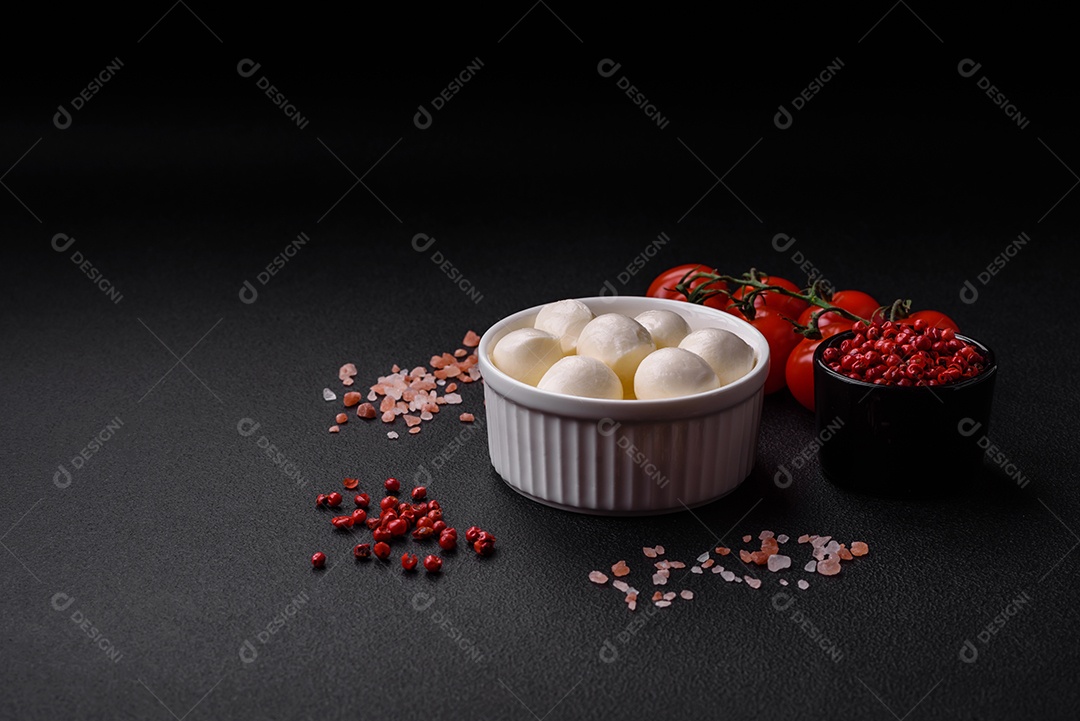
point(620, 342)
point(666, 327)
point(564, 319)
point(579, 375)
point(672, 373)
point(526, 354)
point(727, 354)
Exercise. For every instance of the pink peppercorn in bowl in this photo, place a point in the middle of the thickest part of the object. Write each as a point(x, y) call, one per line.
point(625, 457)
point(901, 441)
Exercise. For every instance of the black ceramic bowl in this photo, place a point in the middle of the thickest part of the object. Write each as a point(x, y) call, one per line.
point(900, 441)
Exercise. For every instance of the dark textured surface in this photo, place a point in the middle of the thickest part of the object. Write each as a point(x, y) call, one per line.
point(181, 540)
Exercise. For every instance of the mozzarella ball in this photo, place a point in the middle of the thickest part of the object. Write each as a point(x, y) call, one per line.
point(526, 354)
point(666, 327)
point(729, 356)
point(620, 342)
point(578, 375)
point(564, 319)
point(672, 373)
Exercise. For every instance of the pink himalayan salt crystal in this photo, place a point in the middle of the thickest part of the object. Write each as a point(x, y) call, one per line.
point(829, 567)
point(334, 429)
point(657, 596)
point(782, 538)
point(717, 569)
point(460, 353)
point(365, 410)
point(619, 584)
point(659, 550)
point(372, 396)
point(703, 557)
point(820, 541)
point(832, 548)
point(411, 421)
point(451, 387)
point(392, 434)
point(708, 563)
point(858, 548)
point(678, 564)
point(466, 418)
point(697, 569)
point(746, 538)
point(811, 567)
point(764, 535)
point(351, 399)
point(845, 555)
point(341, 419)
point(471, 340)
point(597, 577)
point(803, 584)
point(752, 582)
point(388, 417)
point(804, 538)
point(649, 552)
point(727, 576)
point(387, 404)
point(632, 605)
point(738, 580)
point(346, 381)
point(620, 569)
point(659, 579)
point(783, 582)
point(425, 416)
point(662, 604)
point(415, 430)
point(346, 370)
point(687, 595)
point(662, 565)
point(669, 596)
point(452, 398)
point(328, 395)
point(778, 562)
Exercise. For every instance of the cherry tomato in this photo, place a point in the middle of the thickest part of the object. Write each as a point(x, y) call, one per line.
point(664, 285)
point(853, 301)
point(782, 340)
point(933, 318)
point(782, 304)
point(799, 371)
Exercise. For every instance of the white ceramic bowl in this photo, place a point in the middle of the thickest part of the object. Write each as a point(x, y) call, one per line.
point(624, 457)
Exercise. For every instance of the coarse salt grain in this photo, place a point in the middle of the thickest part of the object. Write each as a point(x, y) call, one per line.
point(752, 582)
point(659, 579)
point(764, 535)
point(803, 584)
point(727, 576)
point(597, 577)
point(619, 584)
point(392, 434)
point(829, 567)
point(687, 594)
point(778, 562)
point(783, 582)
point(696, 569)
point(782, 538)
point(703, 557)
point(811, 567)
point(717, 569)
point(328, 395)
point(662, 604)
